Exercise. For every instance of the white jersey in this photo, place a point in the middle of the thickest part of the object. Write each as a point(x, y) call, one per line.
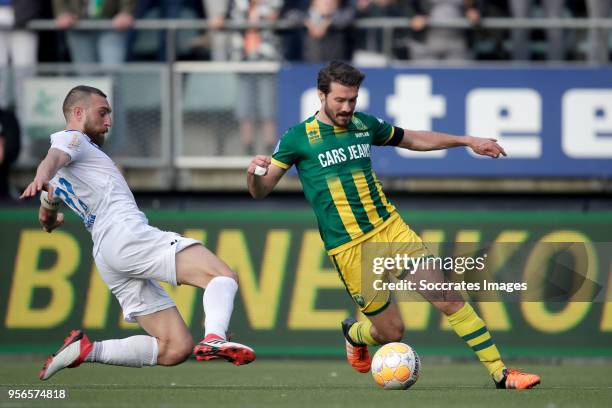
point(92, 186)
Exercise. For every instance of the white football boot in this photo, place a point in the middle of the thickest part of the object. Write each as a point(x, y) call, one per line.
point(72, 353)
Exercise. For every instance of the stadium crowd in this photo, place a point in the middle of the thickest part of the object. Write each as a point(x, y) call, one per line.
point(324, 30)
point(312, 31)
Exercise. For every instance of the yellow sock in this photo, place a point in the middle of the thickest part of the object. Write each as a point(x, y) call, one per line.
point(360, 333)
point(473, 331)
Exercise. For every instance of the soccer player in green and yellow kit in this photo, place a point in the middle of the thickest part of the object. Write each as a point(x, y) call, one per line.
point(331, 151)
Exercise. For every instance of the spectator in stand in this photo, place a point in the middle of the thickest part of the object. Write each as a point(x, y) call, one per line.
point(9, 149)
point(169, 9)
point(257, 100)
point(219, 41)
point(18, 47)
point(554, 36)
point(599, 47)
point(489, 43)
point(294, 11)
point(327, 37)
point(442, 43)
point(370, 45)
point(92, 46)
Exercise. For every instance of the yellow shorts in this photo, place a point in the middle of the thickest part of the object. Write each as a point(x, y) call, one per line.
point(353, 264)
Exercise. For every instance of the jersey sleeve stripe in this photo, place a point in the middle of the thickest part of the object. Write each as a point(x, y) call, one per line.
point(280, 164)
point(397, 134)
point(390, 136)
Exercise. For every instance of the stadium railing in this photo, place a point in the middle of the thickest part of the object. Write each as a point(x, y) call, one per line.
point(388, 25)
point(164, 122)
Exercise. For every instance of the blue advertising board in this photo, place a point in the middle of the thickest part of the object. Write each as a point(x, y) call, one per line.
point(552, 121)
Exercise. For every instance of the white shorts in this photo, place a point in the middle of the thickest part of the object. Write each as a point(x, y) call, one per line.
point(131, 258)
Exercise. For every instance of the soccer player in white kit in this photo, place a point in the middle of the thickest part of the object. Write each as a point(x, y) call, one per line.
point(131, 255)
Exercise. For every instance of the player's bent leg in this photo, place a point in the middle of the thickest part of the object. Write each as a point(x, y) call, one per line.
point(448, 307)
point(134, 351)
point(197, 266)
point(174, 340)
point(471, 328)
point(465, 322)
point(387, 326)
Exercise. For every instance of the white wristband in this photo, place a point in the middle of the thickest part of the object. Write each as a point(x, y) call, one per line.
point(260, 171)
point(50, 204)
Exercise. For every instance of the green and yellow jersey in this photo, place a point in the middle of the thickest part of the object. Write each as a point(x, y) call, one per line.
point(335, 169)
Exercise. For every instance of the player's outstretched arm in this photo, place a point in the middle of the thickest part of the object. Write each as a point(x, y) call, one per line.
point(262, 176)
point(47, 168)
point(48, 215)
point(422, 140)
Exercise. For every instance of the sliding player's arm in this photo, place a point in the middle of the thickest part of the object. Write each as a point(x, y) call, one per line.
point(48, 214)
point(262, 185)
point(423, 140)
point(55, 160)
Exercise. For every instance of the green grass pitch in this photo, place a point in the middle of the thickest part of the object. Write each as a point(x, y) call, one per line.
point(300, 383)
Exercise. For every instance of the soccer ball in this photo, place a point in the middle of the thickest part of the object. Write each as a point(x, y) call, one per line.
point(396, 366)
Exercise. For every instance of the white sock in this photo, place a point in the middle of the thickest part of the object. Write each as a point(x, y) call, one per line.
point(134, 351)
point(218, 305)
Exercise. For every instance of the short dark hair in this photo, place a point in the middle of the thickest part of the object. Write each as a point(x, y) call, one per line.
point(76, 95)
point(340, 72)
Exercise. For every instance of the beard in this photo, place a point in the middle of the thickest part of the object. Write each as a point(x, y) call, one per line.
point(333, 117)
point(96, 134)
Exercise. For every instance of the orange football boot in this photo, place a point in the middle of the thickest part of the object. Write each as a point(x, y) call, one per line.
point(356, 354)
point(514, 379)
